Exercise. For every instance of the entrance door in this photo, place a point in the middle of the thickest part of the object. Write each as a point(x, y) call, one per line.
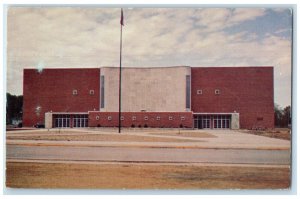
point(221, 121)
point(206, 123)
point(202, 121)
point(80, 121)
point(61, 121)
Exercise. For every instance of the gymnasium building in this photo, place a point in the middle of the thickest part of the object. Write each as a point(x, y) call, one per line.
point(157, 97)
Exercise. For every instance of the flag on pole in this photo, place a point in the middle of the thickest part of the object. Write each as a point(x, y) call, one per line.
point(122, 18)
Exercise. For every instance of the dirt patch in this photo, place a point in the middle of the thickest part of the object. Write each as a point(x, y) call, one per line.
point(188, 134)
point(284, 134)
point(99, 137)
point(143, 176)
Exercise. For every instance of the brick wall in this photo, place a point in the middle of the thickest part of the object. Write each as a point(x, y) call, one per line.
point(52, 90)
point(152, 121)
point(246, 90)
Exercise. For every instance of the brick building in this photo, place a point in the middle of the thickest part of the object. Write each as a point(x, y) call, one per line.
point(163, 97)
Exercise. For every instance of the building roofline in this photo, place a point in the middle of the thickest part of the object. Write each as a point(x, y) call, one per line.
point(146, 67)
point(217, 113)
point(68, 113)
point(232, 67)
point(154, 67)
point(32, 68)
point(117, 67)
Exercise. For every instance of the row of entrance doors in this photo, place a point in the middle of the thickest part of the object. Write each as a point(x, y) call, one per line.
point(67, 121)
point(200, 121)
point(212, 121)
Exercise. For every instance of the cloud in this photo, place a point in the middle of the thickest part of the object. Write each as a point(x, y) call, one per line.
point(89, 37)
point(245, 14)
point(216, 19)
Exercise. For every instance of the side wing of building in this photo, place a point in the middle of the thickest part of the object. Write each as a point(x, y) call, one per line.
point(247, 91)
point(59, 90)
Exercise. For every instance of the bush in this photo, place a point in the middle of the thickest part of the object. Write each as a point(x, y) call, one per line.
point(181, 126)
point(145, 126)
point(132, 125)
point(140, 126)
point(39, 125)
point(98, 125)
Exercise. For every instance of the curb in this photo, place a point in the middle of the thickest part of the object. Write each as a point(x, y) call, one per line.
point(46, 161)
point(143, 146)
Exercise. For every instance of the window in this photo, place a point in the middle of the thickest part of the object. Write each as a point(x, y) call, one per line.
point(133, 117)
point(92, 92)
point(170, 118)
point(182, 118)
point(97, 117)
point(122, 117)
point(75, 92)
point(146, 117)
point(109, 117)
point(199, 92)
point(188, 92)
point(158, 118)
point(217, 92)
point(102, 91)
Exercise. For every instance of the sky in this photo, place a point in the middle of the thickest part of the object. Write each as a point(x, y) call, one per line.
point(89, 37)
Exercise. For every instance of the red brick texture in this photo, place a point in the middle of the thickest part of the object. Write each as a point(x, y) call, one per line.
point(52, 90)
point(179, 119)
point(246, 90)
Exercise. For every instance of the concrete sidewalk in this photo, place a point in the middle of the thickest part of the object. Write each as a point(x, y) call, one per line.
point(224, 139)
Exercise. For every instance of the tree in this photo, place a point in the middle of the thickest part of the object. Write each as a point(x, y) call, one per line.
point(14, 107)
point(286, 117)
point(277, 115)
point(282, 116)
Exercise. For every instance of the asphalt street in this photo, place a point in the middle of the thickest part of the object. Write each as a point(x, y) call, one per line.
point(136, 154)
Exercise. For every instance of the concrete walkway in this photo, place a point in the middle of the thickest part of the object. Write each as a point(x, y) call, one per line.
point(224, 139)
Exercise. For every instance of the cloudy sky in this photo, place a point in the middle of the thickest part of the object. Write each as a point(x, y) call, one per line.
point(78, 37)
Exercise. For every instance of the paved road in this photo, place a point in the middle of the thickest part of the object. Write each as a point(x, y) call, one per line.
point(128, 154)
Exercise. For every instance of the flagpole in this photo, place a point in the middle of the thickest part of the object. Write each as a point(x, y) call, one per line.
point(120, 72)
